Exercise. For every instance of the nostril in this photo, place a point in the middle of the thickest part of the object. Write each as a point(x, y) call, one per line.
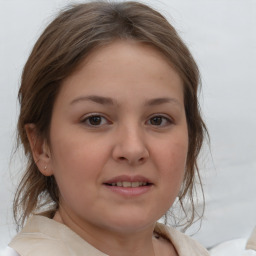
point(141, 159)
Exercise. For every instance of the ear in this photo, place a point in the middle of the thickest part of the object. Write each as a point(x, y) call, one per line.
point(40, 150)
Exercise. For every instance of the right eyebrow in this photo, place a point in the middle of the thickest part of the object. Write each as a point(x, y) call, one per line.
point(94, 98)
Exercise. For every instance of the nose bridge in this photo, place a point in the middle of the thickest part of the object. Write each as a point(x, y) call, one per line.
point(130, 144)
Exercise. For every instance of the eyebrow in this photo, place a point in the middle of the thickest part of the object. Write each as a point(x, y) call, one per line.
point(109, 101)
point(94, 98)
point(159, 101)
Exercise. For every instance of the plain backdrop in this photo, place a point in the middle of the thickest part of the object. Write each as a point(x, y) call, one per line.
point(221, 35)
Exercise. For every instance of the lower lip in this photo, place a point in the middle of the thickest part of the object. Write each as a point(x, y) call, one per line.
point(130, 191)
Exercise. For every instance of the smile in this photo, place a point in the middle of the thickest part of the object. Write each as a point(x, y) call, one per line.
point(128, 184)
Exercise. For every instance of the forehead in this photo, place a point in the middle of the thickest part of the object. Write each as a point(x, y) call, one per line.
point(124, 65)
point(128, 52)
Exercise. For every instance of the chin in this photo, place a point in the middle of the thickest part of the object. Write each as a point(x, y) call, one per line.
point(131, 222)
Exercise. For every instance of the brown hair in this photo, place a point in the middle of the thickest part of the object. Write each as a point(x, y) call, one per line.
point(64, 44)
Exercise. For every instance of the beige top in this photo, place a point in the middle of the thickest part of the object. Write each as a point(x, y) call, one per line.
point(251, 244)
point(42, 236)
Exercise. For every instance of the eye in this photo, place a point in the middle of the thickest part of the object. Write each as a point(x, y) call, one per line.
point(95, 120)
point(160, 121)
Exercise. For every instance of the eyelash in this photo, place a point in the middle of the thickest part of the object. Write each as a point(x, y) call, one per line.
point(86, 120)
point(168, 121)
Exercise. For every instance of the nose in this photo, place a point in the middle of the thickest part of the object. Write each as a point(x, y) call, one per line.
point(130, 146)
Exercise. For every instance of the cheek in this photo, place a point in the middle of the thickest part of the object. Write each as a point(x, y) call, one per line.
point(171, 160)
point(75, 149)
point(76, 163)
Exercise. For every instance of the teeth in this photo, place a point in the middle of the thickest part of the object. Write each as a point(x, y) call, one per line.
point(135, 184)
point(128, 184)
point(119, 184)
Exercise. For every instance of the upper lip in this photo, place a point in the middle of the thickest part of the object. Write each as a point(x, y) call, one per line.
point(122, 178)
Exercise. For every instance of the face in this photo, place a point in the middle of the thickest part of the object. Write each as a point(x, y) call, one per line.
point(119, 139)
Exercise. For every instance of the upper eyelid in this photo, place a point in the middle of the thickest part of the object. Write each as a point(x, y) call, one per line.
point(168, 122)
point(166, 116)
point(84, 118)
point(162, 115)
point(93, 114)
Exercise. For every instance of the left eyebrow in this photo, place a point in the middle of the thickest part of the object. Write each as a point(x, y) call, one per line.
point(159, 101)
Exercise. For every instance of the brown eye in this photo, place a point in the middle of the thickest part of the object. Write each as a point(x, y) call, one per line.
point(95, 120)
point(160, 121)
point(156, 120)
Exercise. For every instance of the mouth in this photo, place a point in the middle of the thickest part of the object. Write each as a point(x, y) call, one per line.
point(128, 184)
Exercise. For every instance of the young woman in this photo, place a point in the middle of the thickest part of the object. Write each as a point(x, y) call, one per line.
point(111, 128)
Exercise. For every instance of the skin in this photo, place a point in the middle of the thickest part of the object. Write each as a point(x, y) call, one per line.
point(132, 134)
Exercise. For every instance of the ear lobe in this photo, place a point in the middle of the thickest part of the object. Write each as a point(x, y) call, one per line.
point(40, 150)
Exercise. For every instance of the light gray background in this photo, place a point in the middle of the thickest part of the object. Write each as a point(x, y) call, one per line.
point(221, 35)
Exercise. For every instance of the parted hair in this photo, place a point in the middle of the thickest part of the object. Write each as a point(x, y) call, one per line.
point(76, 32)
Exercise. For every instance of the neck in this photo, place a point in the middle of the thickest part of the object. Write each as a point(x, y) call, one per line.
point(112, 243)
point(129, 245)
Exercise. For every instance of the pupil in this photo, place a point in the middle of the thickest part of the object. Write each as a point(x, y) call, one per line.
point(95, 120)
point(156, 120)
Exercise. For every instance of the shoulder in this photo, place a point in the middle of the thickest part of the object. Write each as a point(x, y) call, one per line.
point(39, 237)
point(37, 245)
point(183, 244)
point(43, 236)
point(251, 244)
point(8, 251)
point(235, 247)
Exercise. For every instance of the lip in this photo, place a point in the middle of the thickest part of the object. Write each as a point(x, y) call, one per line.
point(129, 191)
point(123, 178)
